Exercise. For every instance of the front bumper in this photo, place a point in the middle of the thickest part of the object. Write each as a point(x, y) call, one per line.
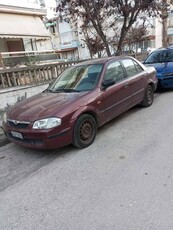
point(39, 139)
point(166, 82)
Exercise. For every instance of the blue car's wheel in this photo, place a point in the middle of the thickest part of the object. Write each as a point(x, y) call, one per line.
point(160, 86)
point(148, 96)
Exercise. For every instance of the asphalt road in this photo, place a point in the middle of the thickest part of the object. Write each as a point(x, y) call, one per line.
point(123, 181)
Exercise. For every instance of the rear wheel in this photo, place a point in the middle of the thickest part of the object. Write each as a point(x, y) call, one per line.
point(148, 97)
point(84, 131)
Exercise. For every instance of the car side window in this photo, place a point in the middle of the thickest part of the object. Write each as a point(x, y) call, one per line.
point(114, 72)
point(138, 67)
point(130, 67)
point(160, 56)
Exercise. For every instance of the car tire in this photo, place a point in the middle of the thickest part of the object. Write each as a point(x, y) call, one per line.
point(84, 131)
point(160, 86)
point(148, 97)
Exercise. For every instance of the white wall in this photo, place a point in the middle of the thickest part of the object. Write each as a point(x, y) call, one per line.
point(158, 33)
point(10, 96)
point(50, 6)
point(44, 45)
point(83, 51)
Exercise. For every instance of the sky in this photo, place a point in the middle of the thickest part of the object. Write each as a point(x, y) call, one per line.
point(24, 3)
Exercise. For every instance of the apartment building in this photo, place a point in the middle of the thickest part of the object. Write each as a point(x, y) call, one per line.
point(64, 37)
point(22, 28)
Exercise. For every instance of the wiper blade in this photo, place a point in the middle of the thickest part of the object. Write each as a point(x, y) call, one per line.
point(71, 90)
point(48, 90)
point(66, 90)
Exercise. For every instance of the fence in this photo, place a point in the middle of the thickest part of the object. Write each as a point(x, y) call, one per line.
point(140, 56)
point(38, 74)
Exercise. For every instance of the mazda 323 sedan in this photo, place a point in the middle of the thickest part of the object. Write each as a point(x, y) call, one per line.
point(81, 99)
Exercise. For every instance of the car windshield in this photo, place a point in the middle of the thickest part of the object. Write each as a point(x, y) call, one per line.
point(77, 78)
point(160, 56)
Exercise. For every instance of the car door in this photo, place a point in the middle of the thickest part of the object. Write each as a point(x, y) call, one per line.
point(137, 78)
point(117, 97)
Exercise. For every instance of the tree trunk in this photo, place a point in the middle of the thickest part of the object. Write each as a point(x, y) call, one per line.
point(102, 36)
point(164, 33)
point(164, 23)
point(121, 40)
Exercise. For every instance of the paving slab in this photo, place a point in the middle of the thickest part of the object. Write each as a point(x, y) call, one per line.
point(3, 140)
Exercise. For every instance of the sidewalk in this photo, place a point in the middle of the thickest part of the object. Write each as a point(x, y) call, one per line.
point(3, 140)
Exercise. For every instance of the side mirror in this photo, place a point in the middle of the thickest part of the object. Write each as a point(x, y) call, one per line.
point(107, 83)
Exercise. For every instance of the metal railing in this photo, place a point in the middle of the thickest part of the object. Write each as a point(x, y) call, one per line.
point(27, 57)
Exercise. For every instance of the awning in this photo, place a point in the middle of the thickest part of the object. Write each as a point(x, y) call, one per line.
point(22, 26)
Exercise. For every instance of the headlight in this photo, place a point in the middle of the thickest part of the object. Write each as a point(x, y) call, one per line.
point(47, 123)
point(5, 117)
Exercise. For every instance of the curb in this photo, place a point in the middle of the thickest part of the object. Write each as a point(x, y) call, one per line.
point(3, 139)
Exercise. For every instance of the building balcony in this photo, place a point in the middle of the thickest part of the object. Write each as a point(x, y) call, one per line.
point(70, 44)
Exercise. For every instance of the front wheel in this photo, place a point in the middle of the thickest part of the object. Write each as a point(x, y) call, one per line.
point(148, 97)
point(84, 131)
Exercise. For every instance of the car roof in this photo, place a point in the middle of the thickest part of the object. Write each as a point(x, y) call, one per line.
point(164, 48)
point(103, 60)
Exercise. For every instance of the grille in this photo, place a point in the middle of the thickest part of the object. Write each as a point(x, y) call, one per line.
point(18, 125)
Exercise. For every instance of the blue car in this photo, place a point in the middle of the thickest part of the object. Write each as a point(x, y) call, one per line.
point(162, 60)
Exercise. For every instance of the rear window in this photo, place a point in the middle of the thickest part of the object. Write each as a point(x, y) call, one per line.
point(160, 56)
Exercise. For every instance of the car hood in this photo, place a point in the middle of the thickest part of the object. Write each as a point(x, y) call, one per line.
point(162, 68)
point(42, 105)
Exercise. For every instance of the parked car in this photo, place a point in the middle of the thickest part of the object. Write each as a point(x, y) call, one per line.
point(83, 98)
point(162, 60)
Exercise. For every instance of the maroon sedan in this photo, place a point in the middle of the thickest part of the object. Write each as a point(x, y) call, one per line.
point(83, 98)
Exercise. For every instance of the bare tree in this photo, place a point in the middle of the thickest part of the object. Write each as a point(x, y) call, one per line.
point(104, 15)
point(129, 11)
point(90, 13)
point(136, 34)
point(93, 43)
point(163, 10)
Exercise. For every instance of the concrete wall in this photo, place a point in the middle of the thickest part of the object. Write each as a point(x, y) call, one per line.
point(158, 33)
point(9, 97)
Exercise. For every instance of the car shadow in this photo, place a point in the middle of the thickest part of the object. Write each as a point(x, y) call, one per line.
point(119, 118)
point(163, 90)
